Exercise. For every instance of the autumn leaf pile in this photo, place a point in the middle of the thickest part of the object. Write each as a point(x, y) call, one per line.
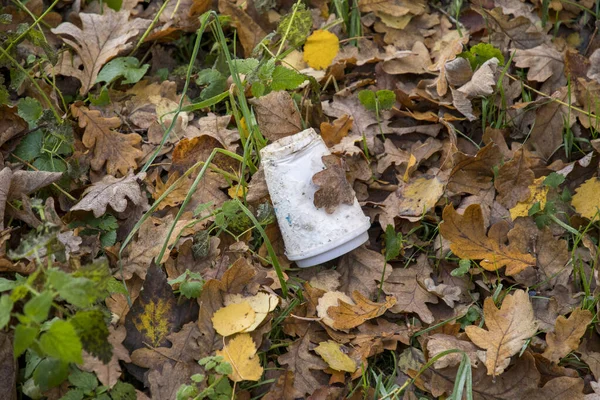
point(141, 257)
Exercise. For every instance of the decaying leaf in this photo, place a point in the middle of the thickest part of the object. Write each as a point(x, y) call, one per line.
point(507, 330)
point(240, 352)
point(361, 270)
point(117, 150)
point(334, 188)
point(277, 115)
point(513, 181)
point(347, 316)
point(537, 194)
point(101, 38)
point(566, 335)
point(332, 354)
point(586, 200)
point(109, 374)
point(469, 240)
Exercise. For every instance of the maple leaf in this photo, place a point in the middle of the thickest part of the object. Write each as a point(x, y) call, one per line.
point(277, 115)
point(240, 352)
point(114, 192)
point(334, 188)
point(469, 240)
point(101, 38)
point(508, 329)
point(116, 150)
point(346, 316)
point(586, 200)
point(566, 335)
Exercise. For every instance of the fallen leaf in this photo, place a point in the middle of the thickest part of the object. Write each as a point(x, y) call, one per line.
point(508, 329)
point(445, 292)
point(412, 200)
point(416, 63)
point(277, 115)
point(558, 388)
point(9, 367)
point(114, 192)
point(249, 32)
point(262, 303)
point(116, 150)
point(240, 352)
point(320, 49)
point(233, 318)
point(396, 8)
point(513, 181)
point(330, 299)
point(439, 342)
point(347, 316)
point(448, 52)
point(333, 133)
point(481, 84)
point(543, 61)
point(101, 38)
point(332, 354)
point(391, 156)
point(566, 335)
point(361, 270)
point(469, 240)
point(473, 174)
point(184, 349)
point(517, 32)
point(586, 200)
point(109, 374)
point(537, 194)
point(406, 285)
point(334, 188)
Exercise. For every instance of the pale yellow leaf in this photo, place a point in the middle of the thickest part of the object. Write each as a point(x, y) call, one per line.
point(538, 194)
point(320, 49)
point(586, 199)
point(262, 303)
point(332, 354)
point(233, 318)
point(240, 352)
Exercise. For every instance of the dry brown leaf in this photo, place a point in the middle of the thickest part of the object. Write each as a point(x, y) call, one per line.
point(114, 192)
point(473, 174)
point(439, 342)
point(416, 63)
point(334, 188)
point(116, 150)
point(469, 240)
point(333, 133)
point(347, 316)
point(391, 156)
point(277, 115)
point(347, 103)
point(563, 387)
point(448, 52)
point(543, 61)
point(101, 38)
point(481, 84)
point(396, 8)
point(413, 200)
point(330, 299)
point(513, 181)
point(248, 31)
point(109, 374)
point(507, 330)
point(407, 286)
point(518, 32)
point(449, 294)
point(361, 270)
point(567, 333)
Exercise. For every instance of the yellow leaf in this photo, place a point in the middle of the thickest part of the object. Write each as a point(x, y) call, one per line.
point(233, 318)
point(236, 191)
point(567, 333)
point(412, 161)
point(507, 330)
point(332, 354)
point(240, 352)
point(469, 240)
point(262, 303)
point(347, 316)
point(538, 194)
point(586, 200)
point(320, 49)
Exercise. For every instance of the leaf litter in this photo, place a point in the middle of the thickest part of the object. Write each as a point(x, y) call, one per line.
point(141, 254)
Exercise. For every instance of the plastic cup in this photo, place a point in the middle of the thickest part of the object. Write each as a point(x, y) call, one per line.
point(311, 235)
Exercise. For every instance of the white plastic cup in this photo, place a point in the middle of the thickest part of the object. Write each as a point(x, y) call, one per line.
point(311, 235)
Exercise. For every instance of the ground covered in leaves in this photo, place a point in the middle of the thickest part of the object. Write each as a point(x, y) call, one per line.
point(141, 257)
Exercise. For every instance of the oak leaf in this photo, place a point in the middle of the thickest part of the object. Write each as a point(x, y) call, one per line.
point(333, 133)
point(543, 61)
point(114, 192)
point(347, 316)
point(586, 200)
point(537, 194)
point(240, 352)
point(277, 115)
point(117, 150)
point(101, 38)
point(334, 188)
point(513, 180)
point(563, 387)
point(332, 354)
point(508, 329)
point(566, 335)
point(469, 240)
point(362, 270)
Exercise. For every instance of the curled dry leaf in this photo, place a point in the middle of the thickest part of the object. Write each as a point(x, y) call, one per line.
point(240, 352)
point(469, 240)
point(117, 150)
point(334, 188)
point(114, 192)
point(347, 316)
point(507, 330)
point(333, 133)
point(101, 38)
point(566, 335)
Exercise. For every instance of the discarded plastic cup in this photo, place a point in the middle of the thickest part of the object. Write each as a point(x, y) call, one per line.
point(311, 235)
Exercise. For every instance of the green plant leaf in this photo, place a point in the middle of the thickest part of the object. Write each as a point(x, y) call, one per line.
point(367, 99)
point(102, 99)
point(123, 391)
point(393, 243)
point(554, 180)
point(480, 53)
point(46, 162)
point(30, 110)
point(191, 289)
point(122, 67)
point(74, 394)
point(38, 307)
point(109, 238)
point(80, 292)
point(214, 81)
point(258, 89)
point(92, 330)
point(386, 99)
point(245, 66)
point(61, 342)
point(296, 24)
point(286, 79)
point(30, 146)
point(50, 373)
point(463, 267)
point(85, 381)
point(7, 284)
point(24, 337)
point(6, 306)
point(114, 4)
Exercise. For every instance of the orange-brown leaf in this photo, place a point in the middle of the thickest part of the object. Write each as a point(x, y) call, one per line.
point(347, 316)
point(334, 132)
point(567, 333)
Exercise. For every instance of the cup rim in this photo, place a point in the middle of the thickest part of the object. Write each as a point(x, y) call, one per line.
point(289, 145)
